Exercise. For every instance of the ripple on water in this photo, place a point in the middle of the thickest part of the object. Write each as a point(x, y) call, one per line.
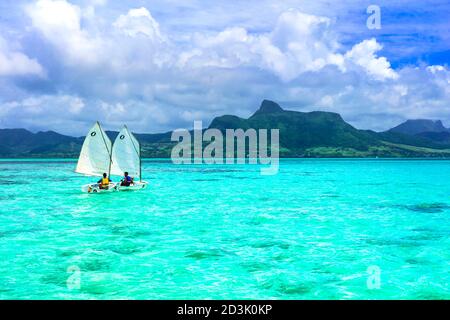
point(121, 229)
point(270, 244)
point(425, 236)
point(108, 284)
point(417, 261)
point(93, 261)
point(125, 247)
point(307, 173)
point(95, 264)
point(130, 232)
point(394, 242)
point(16, 232)
point(7, 197)
point(213, 169)
point(293, 288)
point(143, 233)
point(56, 274)
point(68, 253)
point(256, 266)
point(373, 183)
point(247, 178)
point(55, 277)
point(204, 254)
point(261, 219)
point(329, 195)
point(284, 285)
point(12, 182)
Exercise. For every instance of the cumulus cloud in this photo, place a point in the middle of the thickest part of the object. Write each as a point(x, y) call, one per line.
point(15, 63)
point(139, 22)
point(298, 43)
point(364, 55)
point(59, 23)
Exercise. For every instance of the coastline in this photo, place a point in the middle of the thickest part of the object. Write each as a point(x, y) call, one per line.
point(56, 159)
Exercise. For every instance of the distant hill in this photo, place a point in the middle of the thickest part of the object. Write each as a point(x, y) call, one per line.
point(432, 132)
point(23, 143)
point(413, 127)
point(301, 130)
point(437, 137)
point(302, 134)
point(267, 107)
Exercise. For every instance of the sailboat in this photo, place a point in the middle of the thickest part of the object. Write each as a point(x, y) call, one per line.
point(98, 155)
point(95, 158)
point(126, 157)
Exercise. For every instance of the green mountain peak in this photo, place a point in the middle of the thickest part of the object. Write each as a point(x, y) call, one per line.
point(268, 106)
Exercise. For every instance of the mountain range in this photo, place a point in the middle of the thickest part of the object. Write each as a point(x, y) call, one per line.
point(302, 134)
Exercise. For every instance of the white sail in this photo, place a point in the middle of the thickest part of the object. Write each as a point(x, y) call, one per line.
point(95, 156)
point(126, 155)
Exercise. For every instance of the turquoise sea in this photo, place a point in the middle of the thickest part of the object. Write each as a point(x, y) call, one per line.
point(316, 230)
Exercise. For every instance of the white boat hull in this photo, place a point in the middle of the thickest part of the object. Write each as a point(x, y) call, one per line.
point(113, 187)
point(135, 186)
point(95, 188)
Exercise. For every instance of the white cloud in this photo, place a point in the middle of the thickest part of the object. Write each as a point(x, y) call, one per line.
point(139, 22)
point(76, 104)
point(298, 43)
point(364, 55)
point(15, 63)
point(132, 42)
point(435, 69)
point(59, 22)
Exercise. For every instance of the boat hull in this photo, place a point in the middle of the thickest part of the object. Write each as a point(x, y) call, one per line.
point(134, 187)
point(95, 188)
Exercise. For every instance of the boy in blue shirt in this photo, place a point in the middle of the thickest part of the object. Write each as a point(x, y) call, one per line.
point(127, 180)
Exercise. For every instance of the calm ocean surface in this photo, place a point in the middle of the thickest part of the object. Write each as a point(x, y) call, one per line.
point(225, 232)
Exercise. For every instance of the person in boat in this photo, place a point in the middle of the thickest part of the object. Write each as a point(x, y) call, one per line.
point(104, 182)
point(127, 180)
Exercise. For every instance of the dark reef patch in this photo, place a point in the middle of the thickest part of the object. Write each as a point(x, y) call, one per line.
point(204, 254)
point(435, 207)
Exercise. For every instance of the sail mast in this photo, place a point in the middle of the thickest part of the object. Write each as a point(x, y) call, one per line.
point(140, 163)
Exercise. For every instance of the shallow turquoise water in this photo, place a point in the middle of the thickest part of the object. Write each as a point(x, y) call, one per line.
point(225, 231)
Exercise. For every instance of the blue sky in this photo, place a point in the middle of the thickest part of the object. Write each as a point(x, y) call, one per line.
point(160, 65)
